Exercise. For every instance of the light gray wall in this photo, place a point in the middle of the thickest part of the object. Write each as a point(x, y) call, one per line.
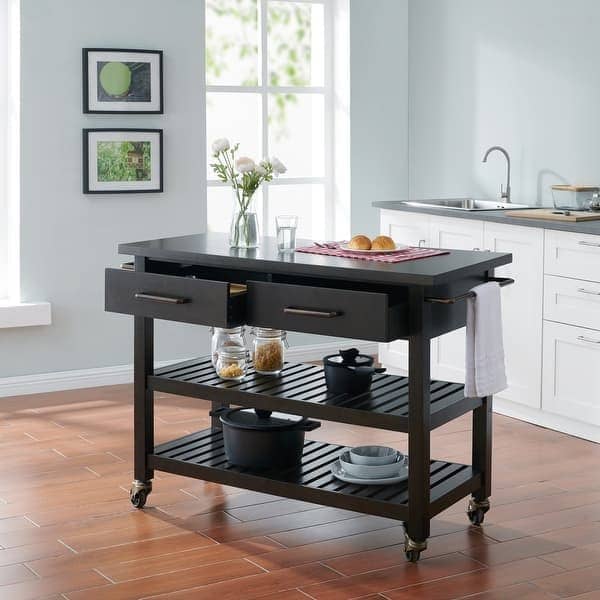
point(68, 238)
point(378, 107)
point(520, 74)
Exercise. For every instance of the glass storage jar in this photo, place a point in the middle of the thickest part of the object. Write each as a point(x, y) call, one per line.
point(232, 363)
point(226, 338)
point(269, 350)
point(574, 197)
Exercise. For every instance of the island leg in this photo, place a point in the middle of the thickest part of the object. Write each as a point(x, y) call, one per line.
point(419, 342)
point(143, 405)
point(479, 502)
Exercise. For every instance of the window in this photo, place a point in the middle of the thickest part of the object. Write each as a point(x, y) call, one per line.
point(269, 86)
point(9, 150)
point(13, 312)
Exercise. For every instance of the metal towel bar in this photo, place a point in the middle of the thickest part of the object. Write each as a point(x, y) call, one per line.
point(502, 281)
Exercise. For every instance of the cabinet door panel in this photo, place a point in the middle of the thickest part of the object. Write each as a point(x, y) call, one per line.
point(411, 229)
point(448, 351)
point(521, 309)
point(571, 376)
point(572, 301)
point(572, 255)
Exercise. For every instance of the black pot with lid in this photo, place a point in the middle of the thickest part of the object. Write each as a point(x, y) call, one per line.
point(349, 372)
point(261, 439)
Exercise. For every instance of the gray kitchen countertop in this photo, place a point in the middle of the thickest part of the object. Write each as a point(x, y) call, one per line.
point(495, 216)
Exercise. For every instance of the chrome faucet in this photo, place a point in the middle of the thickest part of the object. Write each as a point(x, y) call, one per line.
point(504, 193)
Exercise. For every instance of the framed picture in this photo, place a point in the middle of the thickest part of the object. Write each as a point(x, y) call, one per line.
point(122, 161)
point(122, 81)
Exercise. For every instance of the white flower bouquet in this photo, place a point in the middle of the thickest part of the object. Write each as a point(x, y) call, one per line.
point(245, 176)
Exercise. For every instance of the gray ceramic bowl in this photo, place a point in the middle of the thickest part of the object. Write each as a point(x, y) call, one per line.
point(373, 455)
point(371, 471)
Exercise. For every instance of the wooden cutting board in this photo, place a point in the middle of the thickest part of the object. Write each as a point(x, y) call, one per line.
point(547, 213)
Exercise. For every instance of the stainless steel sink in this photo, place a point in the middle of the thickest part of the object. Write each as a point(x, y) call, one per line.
point(466, 204)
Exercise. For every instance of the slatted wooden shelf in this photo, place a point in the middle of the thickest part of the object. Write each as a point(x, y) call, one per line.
point(301, 389)
point(202, 455)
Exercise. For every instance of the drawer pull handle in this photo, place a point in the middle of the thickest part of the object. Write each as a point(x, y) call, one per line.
point(307, 312)
point(592, 244)
point(162, 299)
point(584, 291)
point(582, 338)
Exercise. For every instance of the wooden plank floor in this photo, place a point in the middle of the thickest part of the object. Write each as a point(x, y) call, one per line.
point(67, 530)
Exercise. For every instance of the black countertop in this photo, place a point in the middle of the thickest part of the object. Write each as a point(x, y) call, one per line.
point(212, 250)
point(495, 216)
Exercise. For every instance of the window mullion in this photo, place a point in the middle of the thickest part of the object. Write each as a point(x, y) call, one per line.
point(265, 105)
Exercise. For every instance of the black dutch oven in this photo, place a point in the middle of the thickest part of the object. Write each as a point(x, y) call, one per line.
point(349, 372)
point(260, 439)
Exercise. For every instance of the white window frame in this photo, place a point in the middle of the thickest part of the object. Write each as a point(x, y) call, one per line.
point(336, 176)
point(13, 312)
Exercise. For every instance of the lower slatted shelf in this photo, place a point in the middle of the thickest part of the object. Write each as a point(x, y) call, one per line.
point(202, 455)
point(300, 389)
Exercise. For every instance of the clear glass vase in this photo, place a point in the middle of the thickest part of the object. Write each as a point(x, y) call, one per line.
point(244, 232)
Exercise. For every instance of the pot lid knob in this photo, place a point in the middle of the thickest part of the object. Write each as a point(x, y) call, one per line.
point(262, 414)
point(349, 356)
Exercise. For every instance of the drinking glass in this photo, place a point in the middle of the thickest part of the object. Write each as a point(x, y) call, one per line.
point(286, 232)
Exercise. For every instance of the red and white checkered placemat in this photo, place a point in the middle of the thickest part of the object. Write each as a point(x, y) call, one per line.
point(399, 256)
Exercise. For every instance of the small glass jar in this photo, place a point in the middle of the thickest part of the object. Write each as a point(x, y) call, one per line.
point(232, 363)
point(269, 350)
point(226, 338)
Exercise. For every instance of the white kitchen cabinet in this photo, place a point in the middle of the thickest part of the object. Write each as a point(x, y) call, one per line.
point(572, 301)
point(573, 255)
point(458, 234)
point(521, 309)
point(448, 351)
point(411, 229)
point(551, 318)
point(571, 382)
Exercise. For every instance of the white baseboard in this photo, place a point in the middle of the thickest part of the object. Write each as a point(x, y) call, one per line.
point(548, 420)
point(86, 378)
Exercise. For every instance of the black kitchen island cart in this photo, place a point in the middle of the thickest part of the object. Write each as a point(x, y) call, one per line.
point(198, 279)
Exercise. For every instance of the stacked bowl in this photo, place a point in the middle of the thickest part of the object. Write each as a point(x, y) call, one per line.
point(371, 465)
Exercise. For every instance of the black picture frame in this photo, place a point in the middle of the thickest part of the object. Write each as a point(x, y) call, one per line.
point(89, 187)
point(131, 108)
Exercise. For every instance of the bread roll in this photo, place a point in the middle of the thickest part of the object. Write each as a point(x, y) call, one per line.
point(383, 242)
point(360, 242)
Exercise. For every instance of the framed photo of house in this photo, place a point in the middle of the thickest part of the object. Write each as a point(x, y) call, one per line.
point(117, 161)
point(122, 81)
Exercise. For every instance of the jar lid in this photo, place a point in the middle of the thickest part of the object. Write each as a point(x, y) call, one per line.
point(265, 332)
point(264, 420)
point(231, 331)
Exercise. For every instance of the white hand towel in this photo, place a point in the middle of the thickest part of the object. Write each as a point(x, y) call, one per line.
point(485, 371)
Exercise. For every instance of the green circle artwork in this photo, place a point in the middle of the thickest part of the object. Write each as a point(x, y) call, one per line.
point(115, 78)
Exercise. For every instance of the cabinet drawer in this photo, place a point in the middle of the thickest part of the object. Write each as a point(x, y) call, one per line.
point(571, 381)
point(326, 311)
point(572, 301)
point(572, 255)
point(175, 298)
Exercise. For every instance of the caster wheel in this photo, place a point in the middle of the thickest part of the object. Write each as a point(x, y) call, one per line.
point(139, 493)
point(476, 516)
point(412, 555)
point(412, 549)
point(138, 499)
point(476, 511)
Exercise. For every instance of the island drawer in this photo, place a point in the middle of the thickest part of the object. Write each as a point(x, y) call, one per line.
point(572, 301)
point(173, 298)
point(326, 311)
point(574, 255)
